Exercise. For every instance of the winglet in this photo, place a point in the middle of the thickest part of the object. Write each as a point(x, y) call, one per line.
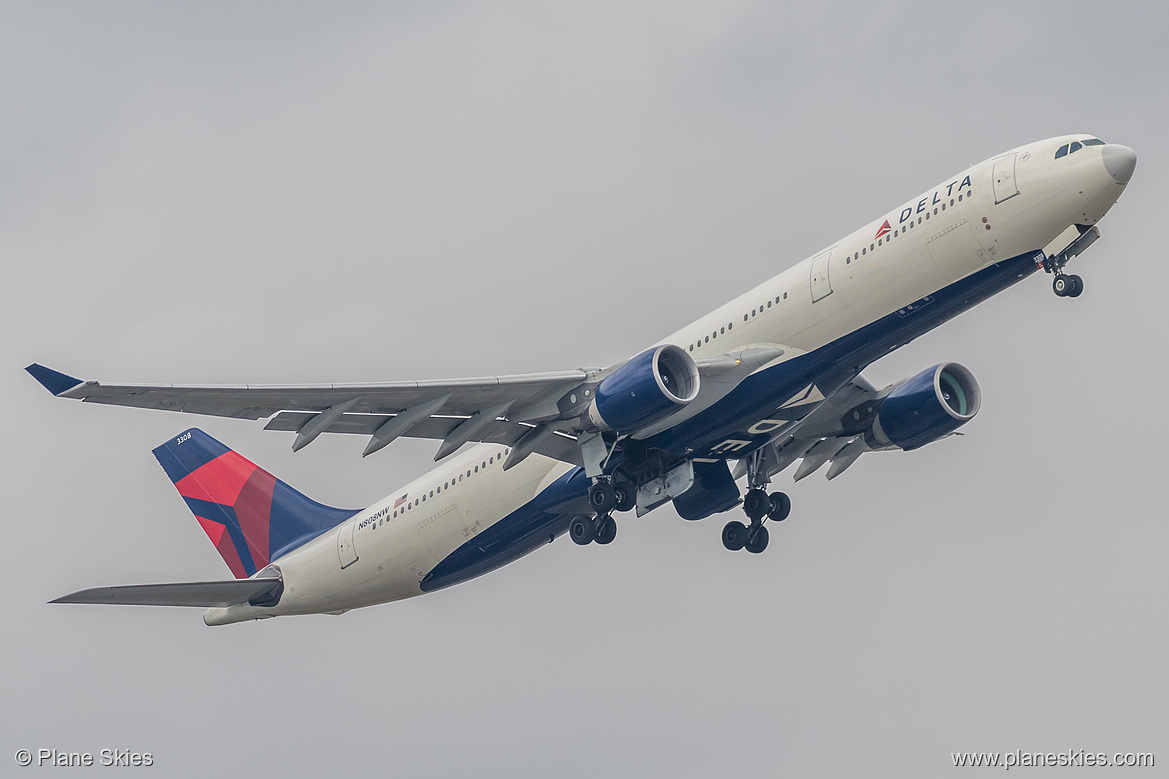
point(51, 380)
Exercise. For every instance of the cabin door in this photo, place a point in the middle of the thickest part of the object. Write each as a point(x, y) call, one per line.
point(1004, 179)
point(821, 285)
point(346, 552)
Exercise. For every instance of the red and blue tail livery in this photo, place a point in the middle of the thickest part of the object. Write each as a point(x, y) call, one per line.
point(250, 516)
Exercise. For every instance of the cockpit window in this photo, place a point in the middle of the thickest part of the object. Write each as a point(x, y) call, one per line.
point(1075, 146)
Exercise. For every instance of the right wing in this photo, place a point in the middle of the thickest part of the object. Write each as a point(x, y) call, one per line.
point(532, 413)
point(205, 594)
point(454, 411)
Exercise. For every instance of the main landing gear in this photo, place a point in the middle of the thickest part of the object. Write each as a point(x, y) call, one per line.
point(758, 506)
point(604, 498)
point(606, 495)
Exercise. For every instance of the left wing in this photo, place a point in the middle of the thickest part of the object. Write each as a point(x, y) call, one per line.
point(831, 435)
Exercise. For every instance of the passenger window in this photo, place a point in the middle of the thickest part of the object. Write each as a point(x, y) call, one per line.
point(785, 296)
point(1063, 150)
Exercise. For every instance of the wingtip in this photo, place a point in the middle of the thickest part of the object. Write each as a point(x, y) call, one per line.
point(54, 381)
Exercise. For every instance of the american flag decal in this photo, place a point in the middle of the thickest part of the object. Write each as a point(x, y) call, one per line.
point(885, 228)
point(400, 501)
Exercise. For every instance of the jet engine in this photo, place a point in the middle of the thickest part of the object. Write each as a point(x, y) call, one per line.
point(652, 385)
point(926, 407)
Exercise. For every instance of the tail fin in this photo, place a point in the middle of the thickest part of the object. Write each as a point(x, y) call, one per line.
point(250, 516)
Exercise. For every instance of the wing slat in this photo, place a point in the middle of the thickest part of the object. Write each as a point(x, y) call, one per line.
point(467, 396)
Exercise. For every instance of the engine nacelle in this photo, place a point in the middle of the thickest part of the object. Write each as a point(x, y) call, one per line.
point(650, 386)
point(932, 404)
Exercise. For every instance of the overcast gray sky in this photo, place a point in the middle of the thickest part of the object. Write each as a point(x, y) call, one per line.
point(281, 192)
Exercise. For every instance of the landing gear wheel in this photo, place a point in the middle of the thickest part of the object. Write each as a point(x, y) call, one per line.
point(756, 504)
point(757, 538)
point(1062, 286)
point(602, 497)
point(626, 497)
point(1077, 286)
point(734, 535)
point(781, 506)
point(606, 530)
point(583, 530)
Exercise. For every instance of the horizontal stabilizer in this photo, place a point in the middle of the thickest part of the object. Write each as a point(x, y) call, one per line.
point(203, 594)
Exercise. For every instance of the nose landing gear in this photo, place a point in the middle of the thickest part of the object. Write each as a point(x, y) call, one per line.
point(1064, 285)
point(1067, 286)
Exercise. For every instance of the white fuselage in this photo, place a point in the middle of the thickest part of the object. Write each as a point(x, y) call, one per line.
point(1019, 202)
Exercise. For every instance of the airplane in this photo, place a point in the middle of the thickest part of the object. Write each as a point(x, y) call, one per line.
point(772, 377)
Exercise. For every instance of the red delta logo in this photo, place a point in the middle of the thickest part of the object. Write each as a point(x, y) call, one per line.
point(884, 229)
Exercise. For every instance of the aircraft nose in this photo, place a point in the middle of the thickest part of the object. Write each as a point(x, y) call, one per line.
point(1120, 162)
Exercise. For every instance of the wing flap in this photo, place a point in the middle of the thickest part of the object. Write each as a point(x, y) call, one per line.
point(201, 594)
point(558, 446)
